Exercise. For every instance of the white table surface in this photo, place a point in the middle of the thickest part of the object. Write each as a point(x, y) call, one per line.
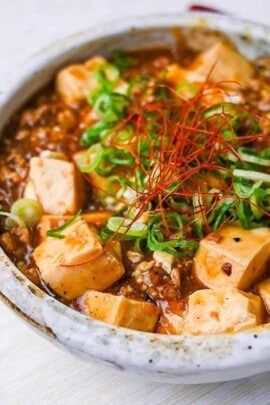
point(32, 370)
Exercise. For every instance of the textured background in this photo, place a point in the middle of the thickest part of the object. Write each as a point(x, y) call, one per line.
point(32, 370)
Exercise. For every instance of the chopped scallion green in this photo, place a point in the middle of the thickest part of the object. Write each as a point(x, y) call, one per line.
point(91, 159)
point(14, 220)
point(96, 133)
point(251, 175)
point(30, 211)
point(57, 232)
point(127, 227)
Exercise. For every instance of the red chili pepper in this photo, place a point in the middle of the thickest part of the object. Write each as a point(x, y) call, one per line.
point(197, 7)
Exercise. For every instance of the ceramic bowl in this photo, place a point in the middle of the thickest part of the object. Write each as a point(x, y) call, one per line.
point(178, 359)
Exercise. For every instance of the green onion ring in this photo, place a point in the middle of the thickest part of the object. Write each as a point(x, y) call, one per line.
point(251, 175)
point(127, 227)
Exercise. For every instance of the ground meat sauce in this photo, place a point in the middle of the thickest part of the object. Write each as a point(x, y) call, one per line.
point(49, 123)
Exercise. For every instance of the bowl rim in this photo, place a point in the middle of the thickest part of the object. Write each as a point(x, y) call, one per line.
point(38, 60)
point(166, 354)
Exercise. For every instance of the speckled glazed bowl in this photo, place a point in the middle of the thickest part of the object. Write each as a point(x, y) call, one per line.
point(178, 359)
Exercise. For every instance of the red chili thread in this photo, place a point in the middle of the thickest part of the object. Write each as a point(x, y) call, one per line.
point(184, 148)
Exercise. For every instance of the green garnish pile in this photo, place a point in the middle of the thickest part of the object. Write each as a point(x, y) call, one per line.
point(175, 168)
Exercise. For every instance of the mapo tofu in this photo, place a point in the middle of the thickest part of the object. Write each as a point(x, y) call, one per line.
point(136, 188)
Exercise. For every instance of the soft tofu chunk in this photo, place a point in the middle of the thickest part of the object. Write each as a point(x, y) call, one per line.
point(221, 310)
point(222, 63)
point(209, 95)
point(56, 184)
point(232, 257)
point(263, 289)
point(74, 82)
point(78, 262)
point(120, 311)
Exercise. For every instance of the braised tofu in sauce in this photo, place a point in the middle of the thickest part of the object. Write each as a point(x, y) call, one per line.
point(135, 188)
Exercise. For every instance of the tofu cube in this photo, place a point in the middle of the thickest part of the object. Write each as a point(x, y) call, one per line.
point(220, 62)
point(221, 310)
point(263, 290)
point(56, 184)
point(78, 262)
point(120, 311)
point(74, 82)
point(232, 257)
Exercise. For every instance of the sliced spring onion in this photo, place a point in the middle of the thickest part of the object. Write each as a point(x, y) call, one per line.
point(161, 92)
point(265, 154)
point(220, 212)
point(120, 157)
point(187, 86)
point(105, 167)
point(127, 227)
point(105, 234)
point(221, 108)
point(251, 175)
point(139, 182)
point(260, 202)
point(140, 244)
point(244, 189)
point(110, 106)
point(199, 219)
point(121, 61)
point(143, 148)
point(23, 212)
point(91, 159)
point(112, 158)
point(155, 237)
point(231, 157)
point(94, 94)
point(57, 232)
point(243, 213)
point(236, 118)
point(140, 81)
point(179, 204)
point(114, 184)
point(12, 220)
point(96, 133)
point(135, 212)
point(124, 135)
point(154, 243)
point(252, 158)
point(129, 194)
point(111, 72)
point(30, 211)
point(106, 75)
point(228, 134)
